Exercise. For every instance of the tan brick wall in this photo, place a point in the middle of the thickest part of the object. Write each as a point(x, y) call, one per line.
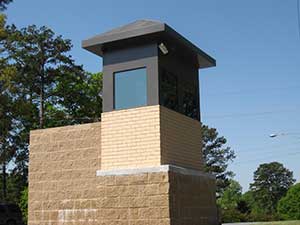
point(62, 165)
point(180, 140)
point(64, 189)
point(149, 136)
point(141, 199)
point(130, 138)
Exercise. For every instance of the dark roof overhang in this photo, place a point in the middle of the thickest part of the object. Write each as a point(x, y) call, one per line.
point(143, 31)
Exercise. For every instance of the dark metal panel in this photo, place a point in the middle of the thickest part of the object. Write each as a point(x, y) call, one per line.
point(130, 54)
point(108, 93)
point(199, 98)
point(128, 59)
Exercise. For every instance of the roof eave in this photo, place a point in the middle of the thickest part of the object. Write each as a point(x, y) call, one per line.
point(204, 60)
point(96, 43)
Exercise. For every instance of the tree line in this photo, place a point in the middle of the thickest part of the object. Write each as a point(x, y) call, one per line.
point(272, 196)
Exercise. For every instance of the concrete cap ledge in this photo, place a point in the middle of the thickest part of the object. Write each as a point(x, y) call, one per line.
point(157, 169)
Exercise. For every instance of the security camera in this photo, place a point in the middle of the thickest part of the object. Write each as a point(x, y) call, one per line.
point(163, 48)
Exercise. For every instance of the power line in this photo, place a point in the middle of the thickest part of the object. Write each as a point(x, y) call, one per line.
point(237, 115)
point(265, 158)
point(248, 91)
point(262, 149)
point(276, 152)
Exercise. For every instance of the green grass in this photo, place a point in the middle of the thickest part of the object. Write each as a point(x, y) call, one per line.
point(281, 223)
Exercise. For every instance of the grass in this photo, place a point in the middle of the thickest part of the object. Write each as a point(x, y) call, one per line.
point(281, 223)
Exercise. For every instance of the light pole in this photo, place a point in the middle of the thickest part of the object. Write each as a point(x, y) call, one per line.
point(274, 135)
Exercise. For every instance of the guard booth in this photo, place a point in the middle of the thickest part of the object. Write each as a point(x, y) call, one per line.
point(142, 164)
point(148, 63)
point(151, 113)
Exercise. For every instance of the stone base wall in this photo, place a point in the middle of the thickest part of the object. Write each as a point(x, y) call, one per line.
point(64, 188)
point(192, 199)
point(166, 195)
point(62, 177)
point(141, 199)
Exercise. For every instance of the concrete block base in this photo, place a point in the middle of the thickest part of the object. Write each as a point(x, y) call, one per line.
point(147, 198)
point(64, 188)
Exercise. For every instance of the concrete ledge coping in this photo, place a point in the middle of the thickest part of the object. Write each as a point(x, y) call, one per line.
point(157, 169)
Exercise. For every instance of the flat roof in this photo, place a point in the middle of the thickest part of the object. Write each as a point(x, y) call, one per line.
point(143, 29)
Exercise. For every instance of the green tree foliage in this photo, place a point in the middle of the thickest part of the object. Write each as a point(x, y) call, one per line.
point(23, 204)
point(247, 203)
point(40, 58)
point(217, 157)
point(250, 209)
point(271, 182)
point(43, 87)
point(289, 205)
point(8, 136)
point(77, 99)
point(4, 3)
point(231, 196)
point(49, 88)
point(229, 202)
point(15, 185)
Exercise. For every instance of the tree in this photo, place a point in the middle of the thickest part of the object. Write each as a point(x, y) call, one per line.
point(271, 182)
point(230, 201)
point(46, 89)
point(39, 57)
point(247, 203)
point(6, 142)
point(289, 205)
point(4, 3)
point(231, 196)
point(79, 99)
point(7, 124)
point(23, 204)
point(217, 157)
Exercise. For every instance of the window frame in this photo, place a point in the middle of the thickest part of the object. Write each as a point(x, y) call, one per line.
point(114, 86)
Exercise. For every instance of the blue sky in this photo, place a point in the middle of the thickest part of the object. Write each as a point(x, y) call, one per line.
point(253, 91)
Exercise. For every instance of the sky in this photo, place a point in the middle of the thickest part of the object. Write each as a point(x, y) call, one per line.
point(252, 92)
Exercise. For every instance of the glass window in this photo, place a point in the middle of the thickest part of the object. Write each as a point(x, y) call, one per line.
point(190, 106)
point(168, 90)
point(130, 88)
point(179, 95)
